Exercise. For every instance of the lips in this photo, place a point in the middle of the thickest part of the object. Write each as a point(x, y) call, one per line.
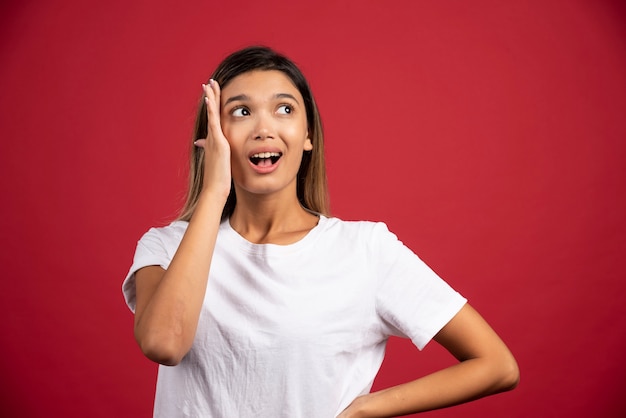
point(265, 159)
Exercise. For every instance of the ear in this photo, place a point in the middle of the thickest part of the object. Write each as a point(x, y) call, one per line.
point(308, 145)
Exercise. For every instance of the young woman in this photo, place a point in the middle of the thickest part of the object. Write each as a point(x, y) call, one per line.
point(256, 303)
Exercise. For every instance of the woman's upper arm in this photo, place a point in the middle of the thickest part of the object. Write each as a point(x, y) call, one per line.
point(147, 280)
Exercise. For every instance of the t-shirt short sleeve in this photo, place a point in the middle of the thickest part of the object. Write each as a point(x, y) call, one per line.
point(155, 248)
point(411, 299)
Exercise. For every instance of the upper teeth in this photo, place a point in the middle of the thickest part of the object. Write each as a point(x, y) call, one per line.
point(266, 155)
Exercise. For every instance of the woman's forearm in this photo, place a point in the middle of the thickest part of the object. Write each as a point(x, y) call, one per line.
point(463, 382)
point(168, 307)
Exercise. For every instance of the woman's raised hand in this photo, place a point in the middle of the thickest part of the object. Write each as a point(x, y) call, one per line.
point(217, 173)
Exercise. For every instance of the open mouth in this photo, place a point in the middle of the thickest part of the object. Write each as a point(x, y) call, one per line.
point(265, 159)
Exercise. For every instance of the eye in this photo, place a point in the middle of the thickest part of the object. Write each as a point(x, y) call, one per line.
point(285, 109)
point(240, 111)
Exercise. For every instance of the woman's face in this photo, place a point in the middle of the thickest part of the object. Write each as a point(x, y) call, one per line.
point(264, 119)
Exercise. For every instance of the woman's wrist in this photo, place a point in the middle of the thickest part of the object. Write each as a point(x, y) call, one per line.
point(358, 408)
point(213, 196)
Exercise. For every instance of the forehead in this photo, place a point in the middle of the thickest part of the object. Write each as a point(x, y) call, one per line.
point(260, 84)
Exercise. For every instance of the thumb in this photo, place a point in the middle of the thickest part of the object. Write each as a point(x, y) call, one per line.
point(200, 143)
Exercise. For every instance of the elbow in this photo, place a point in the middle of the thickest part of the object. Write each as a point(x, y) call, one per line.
point(165, 351)
point(162, 356)
point(509, 375)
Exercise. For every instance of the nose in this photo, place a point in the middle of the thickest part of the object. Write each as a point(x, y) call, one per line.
point(263, 128)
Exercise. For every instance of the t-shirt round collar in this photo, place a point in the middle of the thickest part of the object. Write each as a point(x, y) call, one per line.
point(233, 237)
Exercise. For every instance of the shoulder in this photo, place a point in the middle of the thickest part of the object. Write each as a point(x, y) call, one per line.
point(166, 236)
point(359, 231)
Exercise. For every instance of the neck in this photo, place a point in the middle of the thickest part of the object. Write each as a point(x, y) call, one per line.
point(271, 219)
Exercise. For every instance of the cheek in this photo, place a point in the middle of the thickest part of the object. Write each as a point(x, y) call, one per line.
point(229, 129)
point(296, 131)
point(237, 132)
point(230, 132)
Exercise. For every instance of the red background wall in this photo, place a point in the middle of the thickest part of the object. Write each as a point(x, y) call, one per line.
point(489, 135)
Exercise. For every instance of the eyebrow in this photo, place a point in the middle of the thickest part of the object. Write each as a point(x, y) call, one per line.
point(244, 97)
point(286, 96)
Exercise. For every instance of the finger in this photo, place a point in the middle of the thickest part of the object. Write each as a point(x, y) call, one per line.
point(217, 90)
point(212, 104)
point(214, 92)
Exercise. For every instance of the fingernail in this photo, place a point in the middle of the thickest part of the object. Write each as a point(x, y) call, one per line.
point(211, 82)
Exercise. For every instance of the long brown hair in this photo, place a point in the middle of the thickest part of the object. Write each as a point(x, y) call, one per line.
point(312, 188)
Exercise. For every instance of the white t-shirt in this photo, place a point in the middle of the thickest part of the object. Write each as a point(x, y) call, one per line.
point(296, 330)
